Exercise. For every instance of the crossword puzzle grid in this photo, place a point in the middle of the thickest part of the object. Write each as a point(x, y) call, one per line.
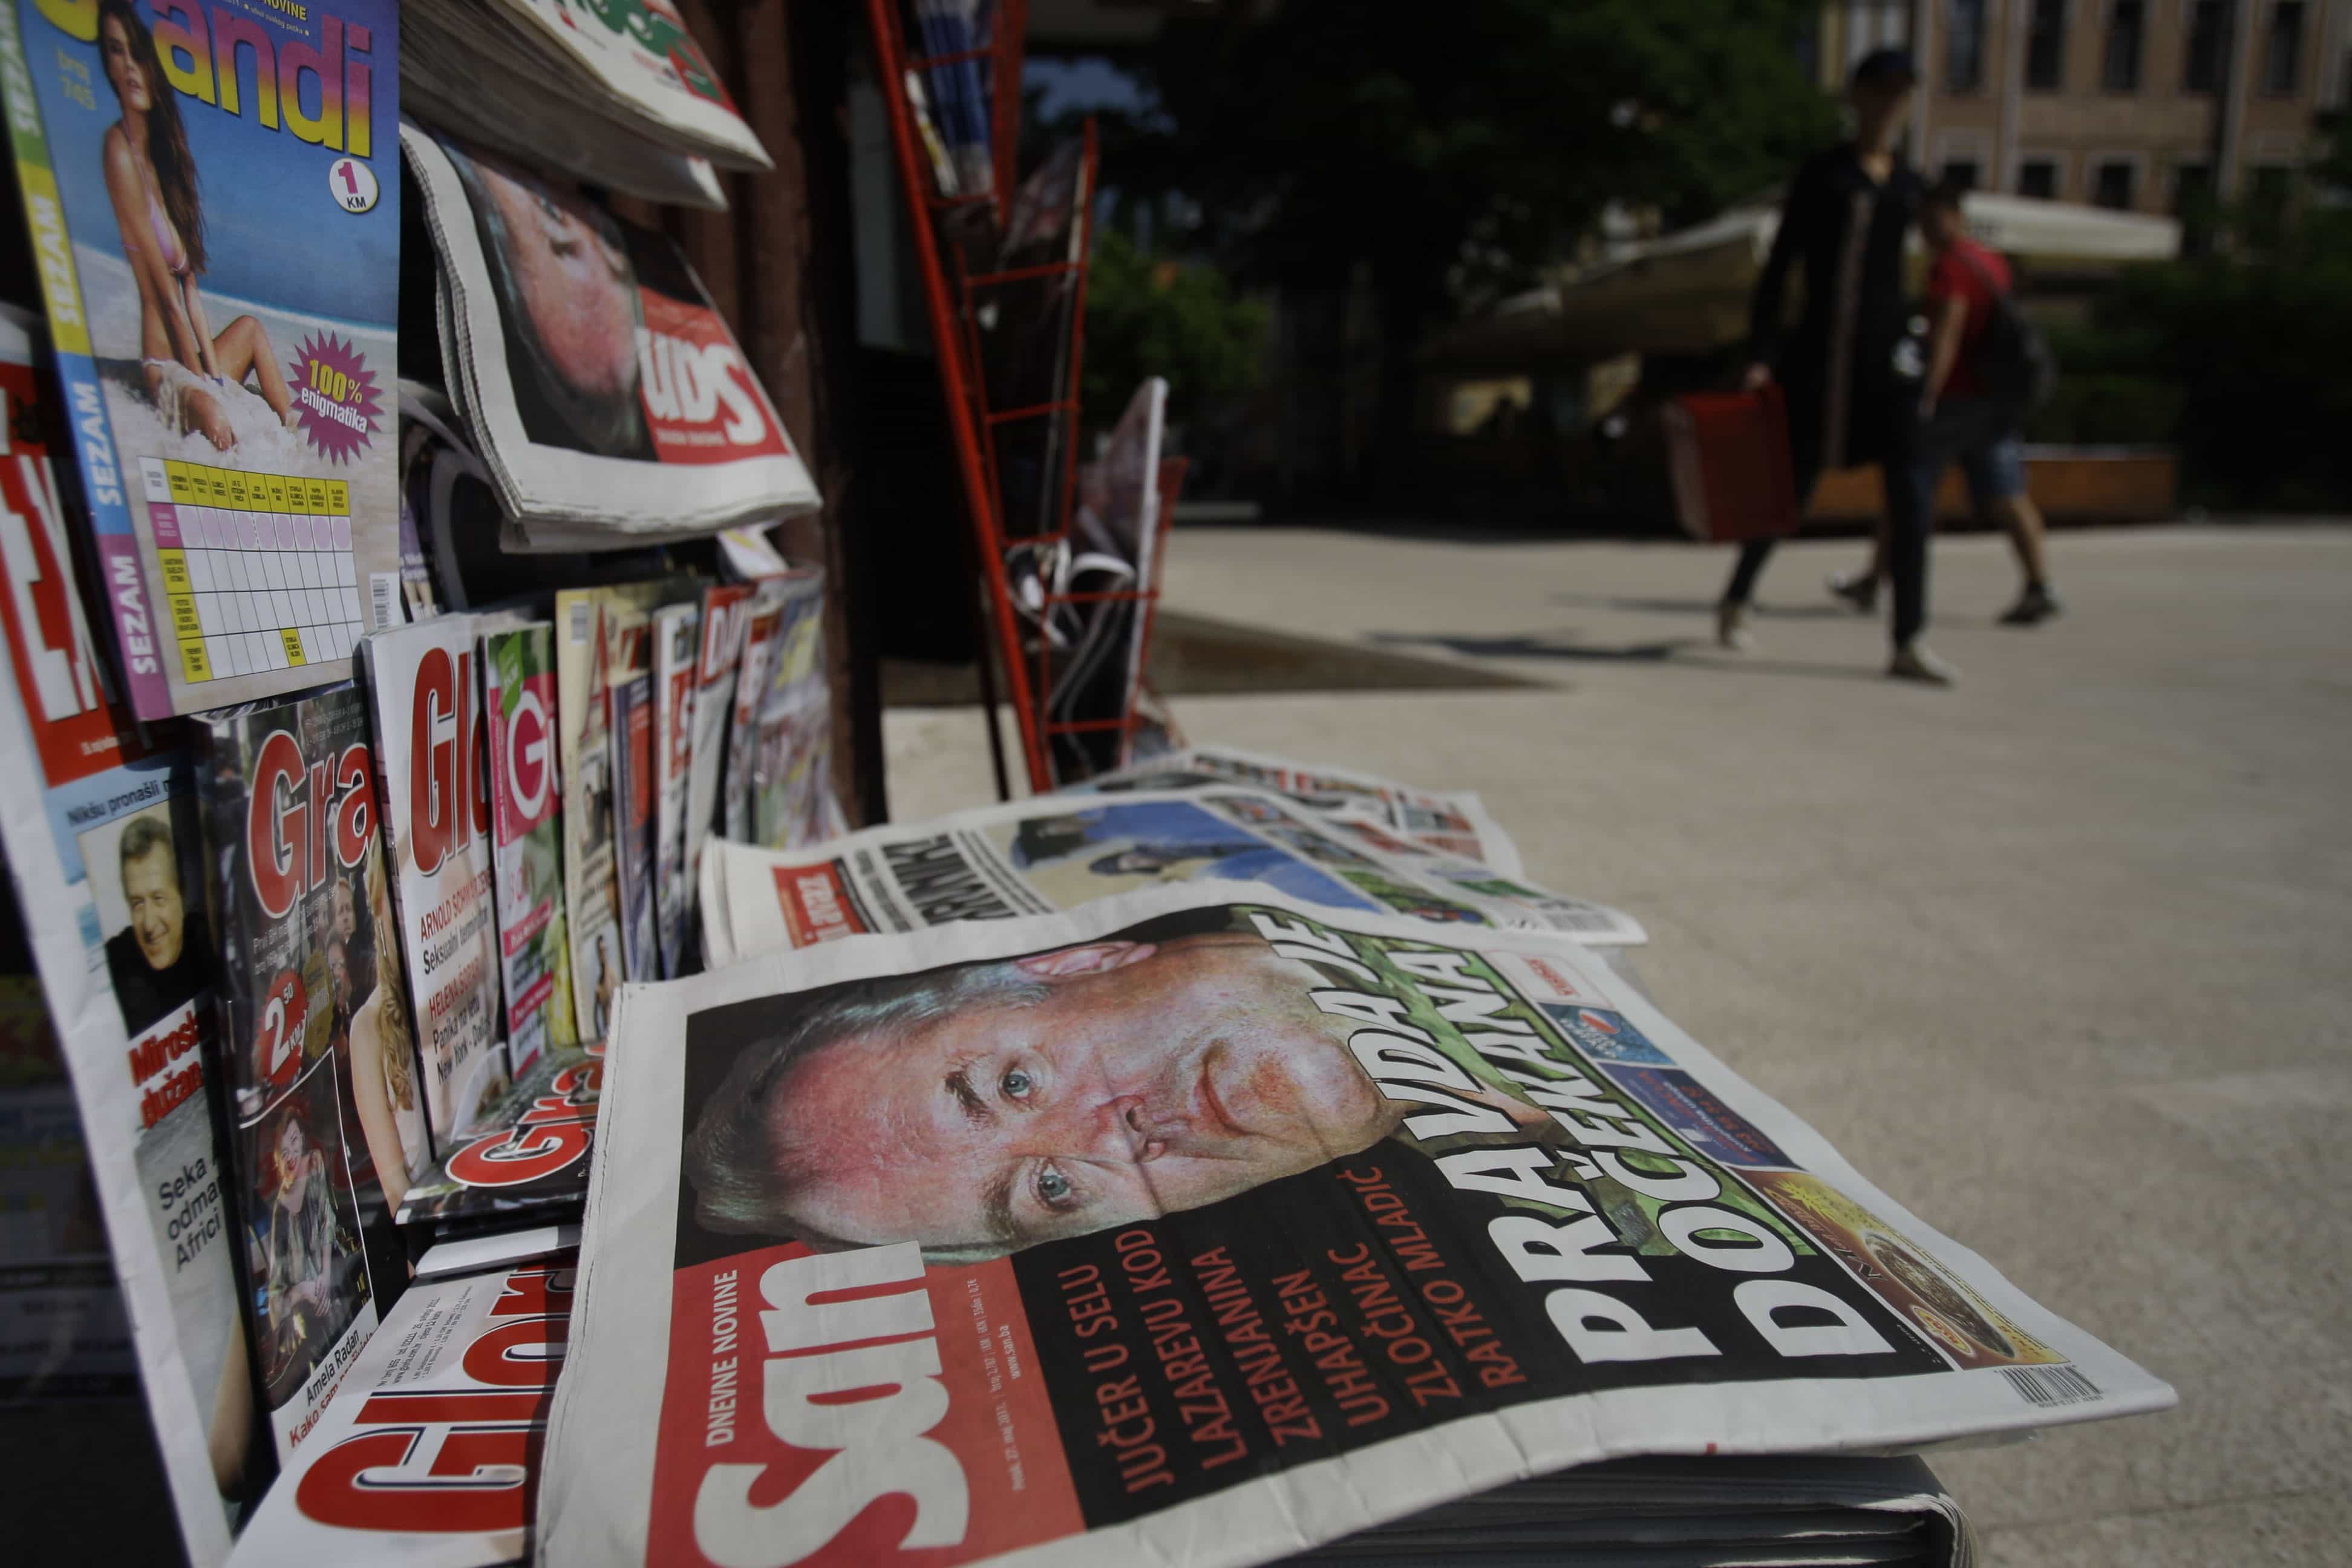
point(257, 567)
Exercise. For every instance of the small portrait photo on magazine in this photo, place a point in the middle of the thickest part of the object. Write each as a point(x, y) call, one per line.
point(310, 1280)
point(151, 904)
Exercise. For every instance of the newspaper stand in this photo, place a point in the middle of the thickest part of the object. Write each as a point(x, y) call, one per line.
point(951, 293)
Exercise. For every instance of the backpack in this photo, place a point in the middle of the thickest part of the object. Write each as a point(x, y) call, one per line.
point(2013, 358)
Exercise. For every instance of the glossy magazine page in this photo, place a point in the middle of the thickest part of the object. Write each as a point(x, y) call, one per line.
point(792, 773)
point(675, 639)
point(216, 196)
point(742, 749)
point(424, 1459)
point(628, 640)
point(1201, 1229)
point(527, 839)
point(317, 1064)
point(726, 613)
point(432, 754)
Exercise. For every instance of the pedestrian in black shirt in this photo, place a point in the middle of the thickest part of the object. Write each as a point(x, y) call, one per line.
point(1845, 219)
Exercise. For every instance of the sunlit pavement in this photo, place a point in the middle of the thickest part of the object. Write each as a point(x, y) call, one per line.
point(2062, 957)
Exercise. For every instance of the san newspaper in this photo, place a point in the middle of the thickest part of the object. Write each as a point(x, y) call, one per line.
point(1194, 1228)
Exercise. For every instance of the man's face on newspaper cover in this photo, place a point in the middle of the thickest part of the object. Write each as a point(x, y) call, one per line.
point(151, 886)
point(575, 281)
point(1150, 1077)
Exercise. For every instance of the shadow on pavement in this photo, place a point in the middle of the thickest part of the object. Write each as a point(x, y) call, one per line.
point(1702, 608)
point(1668, 651)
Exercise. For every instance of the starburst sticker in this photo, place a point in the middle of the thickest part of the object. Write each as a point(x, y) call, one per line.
point(335, 396)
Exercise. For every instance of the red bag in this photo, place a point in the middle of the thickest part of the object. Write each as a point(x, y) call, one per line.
point(1728, 457)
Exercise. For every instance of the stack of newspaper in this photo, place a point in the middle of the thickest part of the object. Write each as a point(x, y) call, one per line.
point(603, 393)
point(616, 93)
point(1291, 1198)
point(1214, 1223)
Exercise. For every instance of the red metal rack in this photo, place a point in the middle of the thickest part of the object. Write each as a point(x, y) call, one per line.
point(951, 294)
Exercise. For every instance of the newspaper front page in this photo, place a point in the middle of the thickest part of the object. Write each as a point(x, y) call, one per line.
point(1200, 1228)
point(103, 844)
point(1057, 852)
point(611, 402)
point(1453, 823)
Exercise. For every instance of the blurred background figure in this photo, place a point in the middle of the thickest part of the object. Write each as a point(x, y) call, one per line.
point(1845, 219)
point(1964, 417)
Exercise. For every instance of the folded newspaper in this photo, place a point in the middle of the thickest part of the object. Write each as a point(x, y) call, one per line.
point(1057, 852)
point(1454, 823)
point(614, 92)
point(603, 390)
point(1199, 1229)
point(464, 1367)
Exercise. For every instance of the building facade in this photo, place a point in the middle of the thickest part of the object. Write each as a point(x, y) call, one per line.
point(2157, 106)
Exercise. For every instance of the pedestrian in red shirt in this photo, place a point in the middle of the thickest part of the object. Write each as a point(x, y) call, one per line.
point(1960, 420)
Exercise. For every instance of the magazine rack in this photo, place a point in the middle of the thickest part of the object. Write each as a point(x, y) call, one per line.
point(952, 291)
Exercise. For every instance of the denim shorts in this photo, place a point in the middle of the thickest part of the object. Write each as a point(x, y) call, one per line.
point(1984, 441)
point(1995, 470)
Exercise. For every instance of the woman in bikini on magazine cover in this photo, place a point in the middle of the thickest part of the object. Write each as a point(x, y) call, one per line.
point(151, 178)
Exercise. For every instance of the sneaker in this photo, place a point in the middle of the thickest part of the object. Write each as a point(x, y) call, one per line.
point(1731, 626)
point(2033, 606)
point(1858, 589)
point(1912, 661)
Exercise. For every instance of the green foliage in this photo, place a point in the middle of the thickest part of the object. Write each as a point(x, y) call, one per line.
point(2262, 349)
point(1403, 135)
point(1149, 316)
point(2094, 409)
point(2254, 350)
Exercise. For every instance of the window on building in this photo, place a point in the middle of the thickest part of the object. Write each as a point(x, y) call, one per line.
point(2201, 69)
point(2113, 184)
point(1960, 172)
point(2268, 198)
point(2192, 190)
point(2045, 47)
point(1964, 48)
point(2038, 177)
point(2127, 26)
point(2193, 204)
point(2283, 50)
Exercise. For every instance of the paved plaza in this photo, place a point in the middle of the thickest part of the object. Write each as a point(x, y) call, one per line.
point(2062, 957)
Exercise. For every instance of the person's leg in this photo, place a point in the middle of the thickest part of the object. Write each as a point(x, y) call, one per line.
point(1747, 569)
point(1911, 478)
point(1731, 612)
point(2023, 518)
point(1860, 589)
point(244, 345)
point(1997, 478)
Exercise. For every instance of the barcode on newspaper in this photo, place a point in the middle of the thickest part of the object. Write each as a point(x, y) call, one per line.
point(383, 598)
point(1581, 920)
point(2050, 1385)
point(578, 629)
